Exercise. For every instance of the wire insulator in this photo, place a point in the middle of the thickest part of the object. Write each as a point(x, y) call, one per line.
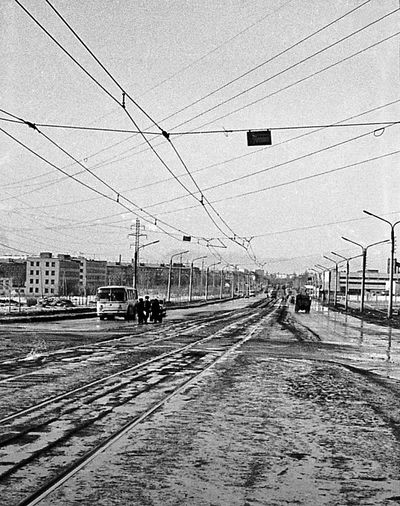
point(31, 125)
point(165, 134)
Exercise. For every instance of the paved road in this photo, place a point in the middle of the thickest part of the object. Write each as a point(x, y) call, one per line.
point(280, 422)
point(372, 347)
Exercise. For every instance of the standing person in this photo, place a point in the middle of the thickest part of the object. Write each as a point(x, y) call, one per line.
point(140, 310)
point(147, 308)
point(155, 311)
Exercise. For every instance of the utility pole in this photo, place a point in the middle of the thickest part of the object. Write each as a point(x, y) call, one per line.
point(135, 265)
point(137, 235)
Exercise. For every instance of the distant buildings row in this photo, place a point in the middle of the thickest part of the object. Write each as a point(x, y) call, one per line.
point(48, 275)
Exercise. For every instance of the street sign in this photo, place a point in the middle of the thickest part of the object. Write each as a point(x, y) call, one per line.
point(259, 138)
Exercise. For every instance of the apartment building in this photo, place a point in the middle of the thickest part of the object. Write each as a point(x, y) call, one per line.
point(92, 274)
point(48, 276)
point(13, 276)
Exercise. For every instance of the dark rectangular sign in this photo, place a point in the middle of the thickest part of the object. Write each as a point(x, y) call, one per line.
point(259, 138)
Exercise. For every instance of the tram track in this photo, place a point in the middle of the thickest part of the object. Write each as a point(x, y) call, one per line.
point(77, 424)
point(9, 366)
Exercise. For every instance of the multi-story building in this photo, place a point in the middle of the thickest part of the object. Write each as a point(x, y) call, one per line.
point(93, 273)
point(13, 270)
point(48, 276)
point(376, 283)
point(119, 273)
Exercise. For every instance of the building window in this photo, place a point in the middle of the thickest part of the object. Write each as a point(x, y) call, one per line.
point(51, 290)
point(37, 281)
point(31, 273)
point(52, 281)
point(46, 281)
point(31, 281)
point(53, 264)
point(46, 290)
point(32, 264)
point(47, 264)
point(30, 290)
point(37, 273)
point(47, 273)
point(37, 264)
point(53, 273)
point(36, 290)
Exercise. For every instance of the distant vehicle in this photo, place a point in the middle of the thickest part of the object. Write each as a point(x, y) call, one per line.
point(64, 303)
point(273, 294)
point(303, 303)
point(115, 301)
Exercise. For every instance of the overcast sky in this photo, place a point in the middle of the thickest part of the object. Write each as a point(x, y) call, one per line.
point(197, 66)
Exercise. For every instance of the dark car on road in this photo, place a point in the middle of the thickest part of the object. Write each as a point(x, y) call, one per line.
point(303, 303)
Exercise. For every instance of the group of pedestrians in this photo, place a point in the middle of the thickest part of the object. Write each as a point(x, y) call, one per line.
point(149, 310)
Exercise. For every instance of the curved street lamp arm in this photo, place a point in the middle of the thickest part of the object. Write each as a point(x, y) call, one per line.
point(376, 216)
point(376, 243)
point(340, 256)
point(199, 258)
point(148, 244)
point(353, 242)
point(180, 253)
point(330, 259)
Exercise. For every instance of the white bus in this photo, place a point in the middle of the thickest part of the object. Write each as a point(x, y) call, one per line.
point(116, 301)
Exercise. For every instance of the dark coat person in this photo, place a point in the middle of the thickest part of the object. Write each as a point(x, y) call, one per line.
point(140, 310)
point(147, 308)
point(156, 311)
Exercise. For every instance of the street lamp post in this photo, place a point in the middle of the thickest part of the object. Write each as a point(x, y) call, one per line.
point(222, 280)
point(346, 298)
point(206, 289)
point(326, 269)
point(191, 276)
point(391, 272)
point(364, 265)
point(316, 280)
point(170, 273)
point(136, 261)
point(336, 278)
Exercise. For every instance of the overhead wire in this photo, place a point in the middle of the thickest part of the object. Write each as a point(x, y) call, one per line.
point(273, 167)
point(295, 83)
point(102, 88)
point(287, 49)
point(108, 93)
point(201, 58)
point(102, 194)
point(297, 180)
point(203, 132)
point(229, 40)
point(269, 60)
point(248, 154)
point(294, 65)
point(165, 134)
point(264, 63)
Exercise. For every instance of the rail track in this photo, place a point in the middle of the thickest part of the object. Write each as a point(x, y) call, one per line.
point(14, 370)
point(51, 440)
